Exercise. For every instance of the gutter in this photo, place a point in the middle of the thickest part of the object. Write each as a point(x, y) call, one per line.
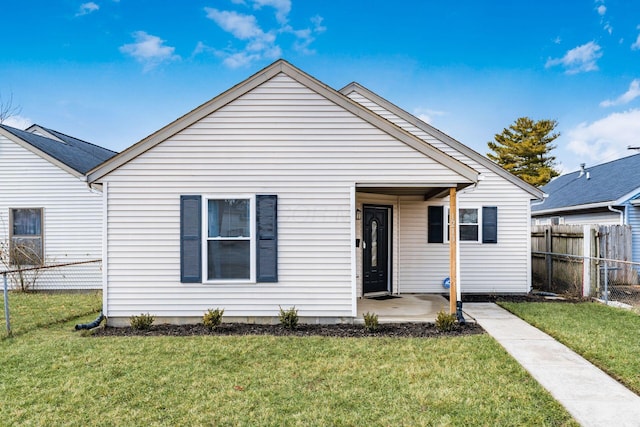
point(618, 211)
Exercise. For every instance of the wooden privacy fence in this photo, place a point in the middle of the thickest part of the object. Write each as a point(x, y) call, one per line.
point(569, 258)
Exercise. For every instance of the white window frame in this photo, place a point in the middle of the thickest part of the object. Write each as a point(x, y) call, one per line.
point(446, 225)
point(252, 238)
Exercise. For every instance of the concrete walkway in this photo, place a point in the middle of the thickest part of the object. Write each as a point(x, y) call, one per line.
point(592, 397)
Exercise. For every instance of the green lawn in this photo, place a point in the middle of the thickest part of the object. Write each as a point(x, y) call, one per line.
point(606, 336)
point(56, 376)
point(29, 311)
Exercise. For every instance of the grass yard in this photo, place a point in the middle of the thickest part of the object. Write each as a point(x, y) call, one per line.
point(56, 376)
point(29, 311)
point(606, 336)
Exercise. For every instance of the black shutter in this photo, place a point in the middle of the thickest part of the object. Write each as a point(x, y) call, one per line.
point(435, 224)
point(190, 239)
point(267, 238)
point(489, 224)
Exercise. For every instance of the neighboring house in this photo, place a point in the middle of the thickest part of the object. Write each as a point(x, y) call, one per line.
point(283, 192)
point(605, 194)
point(48, 213)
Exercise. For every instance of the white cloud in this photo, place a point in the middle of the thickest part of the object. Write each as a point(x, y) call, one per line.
point(241, 26)
point(625, 98)
point(18, 122)
point(305, 37)
point(282, 7)
point(87, 8)
point(427, 114)
point(149, 50)
point(636, 44)
point(605, 139)
point(259, 44)
point(579, 59)
point(602, 9)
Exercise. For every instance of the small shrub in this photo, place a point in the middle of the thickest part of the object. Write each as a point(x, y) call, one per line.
point(445, 322)
point(142, 322)
point(289, 318)
point(370, 321)
point(212, 318)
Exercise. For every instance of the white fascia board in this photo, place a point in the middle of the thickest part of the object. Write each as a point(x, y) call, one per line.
point(625, 198)
point(437, 134)
point(573, 208)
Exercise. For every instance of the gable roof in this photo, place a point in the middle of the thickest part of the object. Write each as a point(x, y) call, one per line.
point(610, 183)
point(281, 66)
point(441, 136)
point(72, 154)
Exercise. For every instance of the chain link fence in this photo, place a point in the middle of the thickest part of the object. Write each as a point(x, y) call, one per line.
point(78, 275)
point(614, 282)
point(57, 279)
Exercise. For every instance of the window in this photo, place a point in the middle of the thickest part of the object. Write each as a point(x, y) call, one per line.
point(230, 239)
point(468, 224)
point(469, 229)
point(26, 246)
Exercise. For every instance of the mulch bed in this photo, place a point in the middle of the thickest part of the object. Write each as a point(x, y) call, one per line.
point(400, 330)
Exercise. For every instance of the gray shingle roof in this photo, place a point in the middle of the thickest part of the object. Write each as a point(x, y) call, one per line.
point(79, 155)
point(607, 182)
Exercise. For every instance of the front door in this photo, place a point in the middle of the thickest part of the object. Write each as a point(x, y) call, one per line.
point(376, 227)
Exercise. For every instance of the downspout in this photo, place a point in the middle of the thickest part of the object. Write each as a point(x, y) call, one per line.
point(91, 325)
point(459, 315)
point(618, 211)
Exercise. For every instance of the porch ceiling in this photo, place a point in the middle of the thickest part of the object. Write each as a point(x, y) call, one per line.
point(428, 191)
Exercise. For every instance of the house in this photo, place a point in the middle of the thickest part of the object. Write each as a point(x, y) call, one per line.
point(284, 192)
point(605, 194)
point(48, 213)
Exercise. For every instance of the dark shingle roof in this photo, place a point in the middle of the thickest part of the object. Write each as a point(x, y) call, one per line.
point(79, 155)
point(607, 182)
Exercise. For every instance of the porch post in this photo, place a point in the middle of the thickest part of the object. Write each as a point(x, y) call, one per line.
point(453, 253)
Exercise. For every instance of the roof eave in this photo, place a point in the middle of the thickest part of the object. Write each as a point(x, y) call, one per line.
point(26, 145)
point(574, 208)
point(453, 143)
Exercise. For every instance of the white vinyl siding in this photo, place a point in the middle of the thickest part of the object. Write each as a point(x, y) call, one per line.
point(503, 267)
point(633, 219)
point(72, 213)
point(280, 138)
point(605, 217)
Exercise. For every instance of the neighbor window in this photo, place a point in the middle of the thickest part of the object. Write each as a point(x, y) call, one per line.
point(229, 239)
point(26, 243)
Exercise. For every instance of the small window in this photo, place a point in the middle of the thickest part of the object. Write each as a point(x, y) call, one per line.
point(557, 220)
point(469, 228)
point(468, 225)
point(26, 246)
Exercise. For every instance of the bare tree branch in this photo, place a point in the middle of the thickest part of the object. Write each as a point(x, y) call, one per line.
point(7, 109)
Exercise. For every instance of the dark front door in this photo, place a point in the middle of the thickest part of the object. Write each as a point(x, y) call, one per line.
point(376, 249)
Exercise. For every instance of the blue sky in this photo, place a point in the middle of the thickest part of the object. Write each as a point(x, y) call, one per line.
point(112, 72)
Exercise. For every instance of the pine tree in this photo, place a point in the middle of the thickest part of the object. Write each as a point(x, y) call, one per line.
point(524, 149)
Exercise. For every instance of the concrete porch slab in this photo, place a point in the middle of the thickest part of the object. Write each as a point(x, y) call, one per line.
point(405, 308)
